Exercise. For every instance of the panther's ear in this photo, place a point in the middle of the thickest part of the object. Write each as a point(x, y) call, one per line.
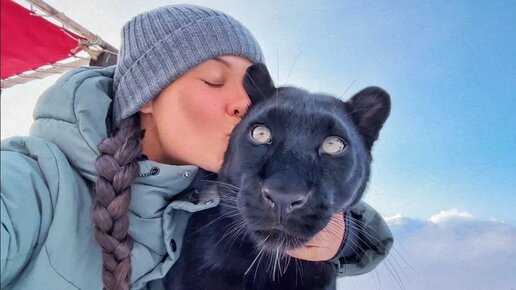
point(258, 83)
point(369, 109)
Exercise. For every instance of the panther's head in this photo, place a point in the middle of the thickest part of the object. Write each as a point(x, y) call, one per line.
point(297, 158)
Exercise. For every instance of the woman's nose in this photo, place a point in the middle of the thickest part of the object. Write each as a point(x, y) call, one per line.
point(239, 104)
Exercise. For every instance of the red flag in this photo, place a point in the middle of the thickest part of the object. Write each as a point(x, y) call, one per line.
point(30, 41)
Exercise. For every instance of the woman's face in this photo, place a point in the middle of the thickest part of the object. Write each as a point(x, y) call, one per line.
point(190, 121)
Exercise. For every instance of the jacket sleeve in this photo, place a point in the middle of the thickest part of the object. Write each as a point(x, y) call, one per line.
point(366, 243)
point(25, 213)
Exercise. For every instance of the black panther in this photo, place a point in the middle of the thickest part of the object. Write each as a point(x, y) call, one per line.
point(293, 161)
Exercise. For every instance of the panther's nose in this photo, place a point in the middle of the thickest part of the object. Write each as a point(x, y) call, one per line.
point(283, 202)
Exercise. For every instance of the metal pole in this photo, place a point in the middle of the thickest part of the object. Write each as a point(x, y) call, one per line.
point(69, 23)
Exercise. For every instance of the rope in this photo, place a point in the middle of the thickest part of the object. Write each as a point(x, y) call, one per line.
point(82, 43)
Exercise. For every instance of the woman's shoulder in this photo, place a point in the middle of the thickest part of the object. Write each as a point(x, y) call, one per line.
point(76, 87)
point(79, 85)
point(72, 114)
point(84, 72)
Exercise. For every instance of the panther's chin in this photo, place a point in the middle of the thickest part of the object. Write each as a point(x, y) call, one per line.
point(277, 239)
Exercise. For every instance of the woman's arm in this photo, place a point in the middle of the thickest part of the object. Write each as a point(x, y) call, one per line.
point(366, 243)
point(24, 196)
point(356, 241)
point(326, 243)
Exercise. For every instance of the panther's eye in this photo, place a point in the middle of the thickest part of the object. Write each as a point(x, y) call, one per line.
point(333, 145)
point(260, 134)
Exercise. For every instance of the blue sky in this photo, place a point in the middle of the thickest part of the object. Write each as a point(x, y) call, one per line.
point(450, 67)
point(447, 149)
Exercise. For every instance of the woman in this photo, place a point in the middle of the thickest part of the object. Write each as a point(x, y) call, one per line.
point(179, 80)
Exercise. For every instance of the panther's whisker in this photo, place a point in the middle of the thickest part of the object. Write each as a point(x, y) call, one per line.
point(270, 265)
point(228, 195)
point(296, 264)
point(220, 183)
point(347, 89)
point(228, 202)
point(231, 227)
point(234, 233)
point(277, 69)
point(259, 254)
point(356, 247)
point(231, 206)
point(215, 220)
point(362, 227)
point(287, 258)
point(227, 192)
point(368, 233)
point(256, 86)
point(365, 109)
point(258, 265)
point(292, 67)
point(389, 264)
point(395, 276)
point(275, 262)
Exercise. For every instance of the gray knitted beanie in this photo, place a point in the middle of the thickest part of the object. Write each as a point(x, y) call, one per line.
point(161, 45)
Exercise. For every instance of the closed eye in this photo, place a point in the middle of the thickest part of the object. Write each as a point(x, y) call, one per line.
point(214, 85)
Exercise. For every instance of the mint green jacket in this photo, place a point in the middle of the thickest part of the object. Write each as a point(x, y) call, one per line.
point(46, 194)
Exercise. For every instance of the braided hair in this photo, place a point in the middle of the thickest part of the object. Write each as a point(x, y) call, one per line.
point(117, 167)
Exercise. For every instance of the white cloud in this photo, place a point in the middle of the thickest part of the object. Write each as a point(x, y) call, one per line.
point(451, 215)
point(396, 219)
point(451, 251)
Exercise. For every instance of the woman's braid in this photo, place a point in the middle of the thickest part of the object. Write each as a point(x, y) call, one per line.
point(117, 167)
